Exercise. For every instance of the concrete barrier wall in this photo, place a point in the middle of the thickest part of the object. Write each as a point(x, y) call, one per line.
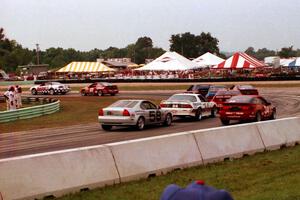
point(141, 158)
point(280, 132)
point(62, 172)
point(58, 173)
point(231, 142)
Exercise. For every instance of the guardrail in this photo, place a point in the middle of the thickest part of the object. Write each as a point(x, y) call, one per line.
point(51, 106)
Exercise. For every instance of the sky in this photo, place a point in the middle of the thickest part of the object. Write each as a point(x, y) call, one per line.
point(88, 24)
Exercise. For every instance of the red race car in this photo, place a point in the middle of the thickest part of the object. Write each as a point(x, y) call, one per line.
point(223, 95)
point(246, 108)
point(100, 89)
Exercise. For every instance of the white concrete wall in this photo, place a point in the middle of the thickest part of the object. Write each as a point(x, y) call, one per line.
point(57, 173)
point(230, 142)
point(140, 158)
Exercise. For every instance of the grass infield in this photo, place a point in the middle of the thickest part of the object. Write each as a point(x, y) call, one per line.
point(79, 110)
point(267, 176)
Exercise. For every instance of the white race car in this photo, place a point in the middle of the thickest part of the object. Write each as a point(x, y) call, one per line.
point(137, 113)
point(185, 104)
point(50, 88)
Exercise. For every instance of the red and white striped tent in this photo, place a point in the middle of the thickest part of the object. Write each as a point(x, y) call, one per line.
point(239, 61)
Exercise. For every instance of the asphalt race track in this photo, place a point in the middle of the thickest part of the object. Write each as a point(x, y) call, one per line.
point(51, 139)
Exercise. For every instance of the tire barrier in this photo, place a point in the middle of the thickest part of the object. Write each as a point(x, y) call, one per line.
point(73, 170)
point(49, 106)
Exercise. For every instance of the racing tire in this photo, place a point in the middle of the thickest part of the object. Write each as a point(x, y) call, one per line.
point(225, 121)
point(99, 93)
point(83, 93)
point(273, 116)
point(140, 124)
point(258, 117)
point(106, 127)
point(214, 111)
point(33, 92)
point(168, 120)
point(51, 92)
point(198, 115)
point(112, 94)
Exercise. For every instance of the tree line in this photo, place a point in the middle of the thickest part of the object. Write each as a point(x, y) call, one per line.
point(12, 54)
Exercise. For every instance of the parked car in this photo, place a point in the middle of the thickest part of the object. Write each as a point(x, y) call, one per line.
point(100, 89)
point(137, 113)
point(222, 95)
point(194, 105)
point(246, 108)
point(213, 90)
point(50, 88)
point(246, 89)
point(198, 89)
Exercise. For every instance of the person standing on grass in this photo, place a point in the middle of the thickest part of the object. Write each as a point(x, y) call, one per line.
point(11, 98)
point(18, 96)
point(6, 97)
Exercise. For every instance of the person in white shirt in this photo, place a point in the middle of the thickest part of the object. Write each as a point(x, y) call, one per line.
point(18, 97)
point(11, 100)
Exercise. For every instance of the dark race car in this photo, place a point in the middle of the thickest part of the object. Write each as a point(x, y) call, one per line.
point(100, 89)
point(246, 108)
point(213, 90)
point(246, 89)
point(198, 89)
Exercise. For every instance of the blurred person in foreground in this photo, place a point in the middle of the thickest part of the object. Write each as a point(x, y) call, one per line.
point(195, 191)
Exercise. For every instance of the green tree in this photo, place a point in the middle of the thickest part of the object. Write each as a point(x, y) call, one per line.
point(142, 49)
point(192, 46)
point(287, 52)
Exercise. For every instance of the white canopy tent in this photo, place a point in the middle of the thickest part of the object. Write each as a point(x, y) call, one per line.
point(294, 63)
point(169, 61)
point(207, 60)
point(286, 61)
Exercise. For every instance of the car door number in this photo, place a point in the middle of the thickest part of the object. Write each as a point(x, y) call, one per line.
point(155, 116)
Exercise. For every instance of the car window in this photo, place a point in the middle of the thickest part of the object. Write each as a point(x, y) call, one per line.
point(256, 101)
point(201, 98)
point(263, 101)
point(179, 97)
point(145, 105)
point(124, 104)
point(152, 106)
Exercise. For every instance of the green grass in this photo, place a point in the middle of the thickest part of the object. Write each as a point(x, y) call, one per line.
point(266, 176)
point(7, 83)
point(79, 110)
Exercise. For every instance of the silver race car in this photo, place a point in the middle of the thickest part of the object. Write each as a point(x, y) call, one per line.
point(137, 113)
point(194, 105)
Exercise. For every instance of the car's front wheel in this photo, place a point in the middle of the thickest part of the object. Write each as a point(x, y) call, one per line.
point(273, 116)
point(100, 93)
point(258, 117)
point(168, 120)
point(140, 124)
point(83, 93)
point(106, 127)
point(214, 111)
point(198, 115)
point(51, 92)
point(33, 92)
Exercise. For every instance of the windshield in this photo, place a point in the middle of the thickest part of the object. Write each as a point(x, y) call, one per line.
point(124, 104)
point(183, 98)
point(198, 87)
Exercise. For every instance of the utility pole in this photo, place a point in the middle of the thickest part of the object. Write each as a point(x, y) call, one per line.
point(37, 54)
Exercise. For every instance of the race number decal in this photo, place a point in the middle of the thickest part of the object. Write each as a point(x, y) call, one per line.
point(155, 116)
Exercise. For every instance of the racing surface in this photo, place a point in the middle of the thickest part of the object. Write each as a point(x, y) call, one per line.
point(287, 101)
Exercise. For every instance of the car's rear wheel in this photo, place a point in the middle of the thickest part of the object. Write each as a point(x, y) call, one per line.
point(106, 127)
point(112, 94)
point(214, 111)
point(33, 92)
point(168, 120)
point(198, 115)
point(258, 117)
point(100, 93)
point(51, 92)
point(225, 121)
point(140, 124)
